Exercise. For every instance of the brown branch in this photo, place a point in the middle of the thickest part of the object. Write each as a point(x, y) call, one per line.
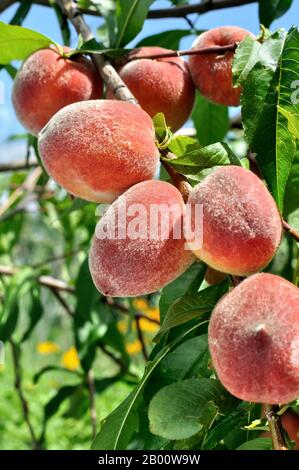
point(180, 181)
point(62, 301)
point(291, 230)
point(126, 311)
point(104, 67)
point(46, 281)
point(19, 388)
point(275, 426)
point(92, 404)
point(141, 339)
point(163, 55)
point(175, 12)
point(26, 188)
point(17, 166)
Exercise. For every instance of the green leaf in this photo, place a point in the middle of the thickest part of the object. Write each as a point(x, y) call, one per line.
point(261, 443)
point(275, 137)
point(21, 13)
point(193, 306)
point(119, 426)
point(177, 410)
point(180, 286)
point(210, 120)
point(167, 39)
point(17, 43)
point(182, 144)
point(245, 58)
point(130, 16)
point(193, 162)
point(270, 10)
point(223, 427)
point(47, 369)
point(56, 401)
point(35, 312)
point(19, 284)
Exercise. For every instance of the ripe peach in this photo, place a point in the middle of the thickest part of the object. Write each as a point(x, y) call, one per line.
point(47, 82)
point(141, 252)
point(212, 73)
point(99, 148)
point(160, 85)
point(241, 223)
point(254, 340)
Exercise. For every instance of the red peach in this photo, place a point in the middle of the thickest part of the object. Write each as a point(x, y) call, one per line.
point(254, 340)
point(241, 223)
point(139, 256)
point(160, 85)
point(99, 148)
point(47, 82)
point(212, 73)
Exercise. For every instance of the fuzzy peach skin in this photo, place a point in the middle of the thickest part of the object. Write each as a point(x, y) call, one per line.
point(160, 85)
point(47, 82)
point(99, 148)
point(241, 224)
point(212, 73)
point(138, 265)
point(254, 340)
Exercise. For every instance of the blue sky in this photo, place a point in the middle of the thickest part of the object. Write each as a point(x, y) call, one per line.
point(43, 20)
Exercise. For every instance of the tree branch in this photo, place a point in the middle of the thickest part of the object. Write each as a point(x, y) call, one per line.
point(276, 428)
point(19, 388)
point(17, 166)
point(104, 67)
point(141, 339)
point(164, 55)
point(174, 12)
point(46, 281)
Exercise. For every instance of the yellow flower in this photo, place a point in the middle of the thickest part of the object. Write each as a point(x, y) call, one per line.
point(154, 313)
point(140, 304)
point(122, 326)
point(134, 347)
point(70, 359)
point(47, 347)
point(148, 326)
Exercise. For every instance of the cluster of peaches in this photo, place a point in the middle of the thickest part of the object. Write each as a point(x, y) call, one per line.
point(104, 150)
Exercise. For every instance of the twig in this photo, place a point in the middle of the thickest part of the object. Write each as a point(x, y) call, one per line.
point(174, 12)
point(53, 259)
point(291, 230)
point(46, 281)
point(62, 301)
point(141, 339)
point(27, 187)
point(104, 67)
point(19, 388)
point(92, 405)
point(180, 181)
point(115, 359)
point(165, 55)
point(17, 166)
point(126, 311)
point(276, 428)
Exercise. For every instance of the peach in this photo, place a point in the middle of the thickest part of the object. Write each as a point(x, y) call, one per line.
point(254, 340)
point(212, 73)
point(160, 85)
point(138, 246)
point(47, 82)
point(241, 223)
point(99, 148)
